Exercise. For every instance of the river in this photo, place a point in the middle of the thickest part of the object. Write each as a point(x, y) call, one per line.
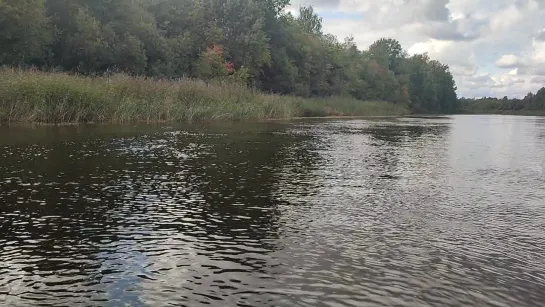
point(385, 212)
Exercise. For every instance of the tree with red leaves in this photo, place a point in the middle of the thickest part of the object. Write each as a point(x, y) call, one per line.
point(213, 63)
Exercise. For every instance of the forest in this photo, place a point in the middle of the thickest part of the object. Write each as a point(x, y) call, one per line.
point(530, 104)
point(251, 42)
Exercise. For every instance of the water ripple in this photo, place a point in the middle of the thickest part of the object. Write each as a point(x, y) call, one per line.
point(408, 212)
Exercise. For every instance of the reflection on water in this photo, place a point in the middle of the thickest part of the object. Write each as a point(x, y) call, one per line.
point(406, 212)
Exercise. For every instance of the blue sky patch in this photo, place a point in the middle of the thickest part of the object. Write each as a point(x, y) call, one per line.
point(341, 15)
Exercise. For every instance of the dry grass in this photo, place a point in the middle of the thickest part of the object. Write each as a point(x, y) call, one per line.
point(40, 97)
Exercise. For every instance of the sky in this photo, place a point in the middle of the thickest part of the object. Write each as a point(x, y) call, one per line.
point(493, 47)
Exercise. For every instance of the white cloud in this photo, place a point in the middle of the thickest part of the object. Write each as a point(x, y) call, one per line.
point(509, 61)
point(538, 52)
point(492, 46)
point(506, 18)
point(531, 63)
point(432, 46)
point(316, 3)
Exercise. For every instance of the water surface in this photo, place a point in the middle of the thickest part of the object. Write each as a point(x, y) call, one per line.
point(393, 212)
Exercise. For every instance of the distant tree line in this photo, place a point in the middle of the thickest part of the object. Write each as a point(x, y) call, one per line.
point(251, 41)
point(530, 103)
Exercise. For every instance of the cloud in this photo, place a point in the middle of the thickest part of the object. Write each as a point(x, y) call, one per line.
point(532, 61)
point(459, 55)
point(448, 32)
point(318, 4)
point(509, 61)
point(389, 14)
point(480, 79)
point(538, 80)
point(434, 10)
point(540, 36)
point(537, 53)
point(532, 71)
point(506, 18)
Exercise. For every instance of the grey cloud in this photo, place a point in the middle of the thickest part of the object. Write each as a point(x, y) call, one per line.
point(392, 14)
point(433, 16)
point(539, 70)
point(435, 10)
point(449, 32)
point(520, 4)
point(538, 80)
point(479, 79)
point(540, 3)
point(467, 28)
point(540, 36)
point(510, 65)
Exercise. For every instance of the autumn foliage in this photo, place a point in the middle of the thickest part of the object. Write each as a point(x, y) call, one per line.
point(214, 64)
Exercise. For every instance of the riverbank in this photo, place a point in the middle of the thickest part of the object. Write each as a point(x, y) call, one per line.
point(39, 97)
point(523, 112)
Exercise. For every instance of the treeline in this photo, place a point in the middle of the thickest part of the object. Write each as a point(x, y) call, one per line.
point(530, 104)
point(249, 41)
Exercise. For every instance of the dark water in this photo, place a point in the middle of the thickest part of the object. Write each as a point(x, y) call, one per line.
point(407, 212)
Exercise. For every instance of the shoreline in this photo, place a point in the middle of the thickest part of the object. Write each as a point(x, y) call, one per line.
point(539, 113)
point(265, 120)
point(198, 122)
point(63, 99)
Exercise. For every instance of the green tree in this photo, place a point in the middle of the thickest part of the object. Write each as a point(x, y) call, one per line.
point(309, 21)
point(261, 46)
point(212, 64)
point(25, 31)
point(244, 39)
point(445, 88)
point(388, 53)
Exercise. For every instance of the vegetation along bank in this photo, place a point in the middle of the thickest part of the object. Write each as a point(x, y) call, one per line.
point(152, 60)
point(61, 98)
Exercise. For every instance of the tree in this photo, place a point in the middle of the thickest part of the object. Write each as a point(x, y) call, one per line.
point(25, 31)
point(445, 87)
point(244, 39)
point(309, 21)
point(212, 64)
point(530, 102)
point(251, 41)
point(388, 53)
point(276, 6)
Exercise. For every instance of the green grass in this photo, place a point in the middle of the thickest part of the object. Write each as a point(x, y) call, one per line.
point(40, 97)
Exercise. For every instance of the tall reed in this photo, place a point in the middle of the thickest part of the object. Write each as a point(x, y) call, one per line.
point(30, 96)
